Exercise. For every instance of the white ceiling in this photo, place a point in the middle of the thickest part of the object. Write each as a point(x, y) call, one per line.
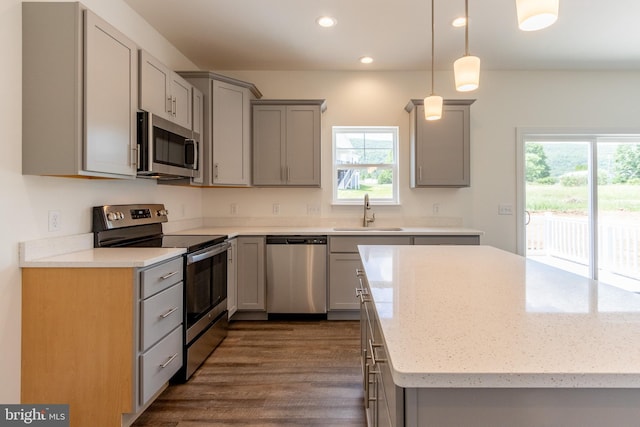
point(283, 35)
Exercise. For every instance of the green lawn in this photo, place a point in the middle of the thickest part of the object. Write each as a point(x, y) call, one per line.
point(375, 191)
point(558, 198)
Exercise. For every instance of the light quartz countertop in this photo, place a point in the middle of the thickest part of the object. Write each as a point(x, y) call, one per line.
point(77, 250)
point(477, 317)
point(106, 258)
point(234, 231)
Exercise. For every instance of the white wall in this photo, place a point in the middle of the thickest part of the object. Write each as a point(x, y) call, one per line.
point(26, 200)
point(505, 101)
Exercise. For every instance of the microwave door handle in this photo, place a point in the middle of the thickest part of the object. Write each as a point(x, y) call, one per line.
point(193, 143)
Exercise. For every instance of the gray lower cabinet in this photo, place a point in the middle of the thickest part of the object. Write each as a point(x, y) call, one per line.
point(343, 262)
point(232, 277)
point(440, 149)
point(286, 142)
point(383, 400)
point(160, 333)
point(251, 274)
point(79, 94)
point(447, 240)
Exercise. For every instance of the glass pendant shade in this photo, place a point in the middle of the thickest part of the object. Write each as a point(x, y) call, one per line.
point(536, 14)
point(433, 107)
point(467, 73)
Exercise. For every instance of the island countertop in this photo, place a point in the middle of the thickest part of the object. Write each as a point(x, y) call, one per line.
point(477, 317)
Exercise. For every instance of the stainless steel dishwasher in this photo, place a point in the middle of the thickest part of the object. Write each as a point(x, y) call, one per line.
point(296, 274)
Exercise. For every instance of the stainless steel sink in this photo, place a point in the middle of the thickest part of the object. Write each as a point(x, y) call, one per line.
point(367, 229)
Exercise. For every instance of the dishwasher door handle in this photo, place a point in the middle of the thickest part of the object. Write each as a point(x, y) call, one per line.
point(296, 241)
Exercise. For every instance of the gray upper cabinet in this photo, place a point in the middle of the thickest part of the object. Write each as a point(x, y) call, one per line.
point(231, 134)
point(440, 149)
point(163, 92)
point(226, 137)
point(286, 142)
point(79, 92)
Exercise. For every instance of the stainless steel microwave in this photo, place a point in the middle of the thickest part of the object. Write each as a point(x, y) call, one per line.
point(165, 150)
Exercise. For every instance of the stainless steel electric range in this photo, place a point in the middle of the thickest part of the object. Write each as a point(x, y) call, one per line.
point(205, 272)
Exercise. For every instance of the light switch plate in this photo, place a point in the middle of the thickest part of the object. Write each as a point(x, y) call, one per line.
point(505, 209)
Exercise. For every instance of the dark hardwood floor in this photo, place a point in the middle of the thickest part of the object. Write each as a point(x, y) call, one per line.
point(273, 373)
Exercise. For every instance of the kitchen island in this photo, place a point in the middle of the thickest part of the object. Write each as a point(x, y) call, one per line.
point(475, 336)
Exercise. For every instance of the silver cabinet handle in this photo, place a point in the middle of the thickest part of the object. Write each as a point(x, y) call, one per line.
point(169, 104)
point(359, 272)
point(215, 170)
point(173, 108)
point(166, 276)
point(168, 313)
point(165, 364)
point(420, 173)
point(372, 348)
point(288, 174)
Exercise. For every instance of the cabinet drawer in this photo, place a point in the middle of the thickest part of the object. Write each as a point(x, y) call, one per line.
point(160, 315)
point(446, 240)
point(159, 364)
point(160, 277)
point(350, 244)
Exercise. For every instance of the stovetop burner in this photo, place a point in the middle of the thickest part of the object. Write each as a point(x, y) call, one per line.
point(192, 243)
point(140, 226)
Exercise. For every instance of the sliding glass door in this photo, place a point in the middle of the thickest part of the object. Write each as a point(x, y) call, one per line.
point(582, 205)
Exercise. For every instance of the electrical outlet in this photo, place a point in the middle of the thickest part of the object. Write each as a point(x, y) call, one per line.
point(276, 209)
point(436, 208)
point(505, 209)
point(233, 209)
point(313, 210)
point(54, 220)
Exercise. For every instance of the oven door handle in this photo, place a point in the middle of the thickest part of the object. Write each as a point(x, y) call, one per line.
point(207, 253)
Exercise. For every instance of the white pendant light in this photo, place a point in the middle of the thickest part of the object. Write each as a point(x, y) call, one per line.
point(433, 107)
point(432, 103)
point(536, 14)
point(467, 69)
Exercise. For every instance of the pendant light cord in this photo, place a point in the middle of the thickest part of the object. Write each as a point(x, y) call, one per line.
point(432, 44)
point(466, 28)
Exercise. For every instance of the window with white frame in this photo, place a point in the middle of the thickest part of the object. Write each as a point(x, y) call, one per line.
point(365, 161)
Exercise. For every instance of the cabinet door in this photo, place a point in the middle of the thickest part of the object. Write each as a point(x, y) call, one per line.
point(155, 77)
point(198, 127)
point(343, 281)
point(269, 124)
point(231, 139)
point(251, 274)
point(111, 88)
point(303, 145)
point(232, 277)
point(180, 91)
point(442, 148)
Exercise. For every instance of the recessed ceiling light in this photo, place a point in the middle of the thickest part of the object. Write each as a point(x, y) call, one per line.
point(459, 22)
point(366, 60)
point(326, 21)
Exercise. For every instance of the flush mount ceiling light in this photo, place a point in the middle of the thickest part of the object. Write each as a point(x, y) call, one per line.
point(535, 15)
point(432, 103)
point(467, 68)
point(326, 21)
point(366, 60)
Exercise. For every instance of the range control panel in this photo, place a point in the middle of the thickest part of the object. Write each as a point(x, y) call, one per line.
point(117, 216)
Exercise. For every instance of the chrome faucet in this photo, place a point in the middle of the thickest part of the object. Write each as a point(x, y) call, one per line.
point(367, 207)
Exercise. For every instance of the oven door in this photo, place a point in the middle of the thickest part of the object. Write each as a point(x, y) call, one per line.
point(205, 288)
